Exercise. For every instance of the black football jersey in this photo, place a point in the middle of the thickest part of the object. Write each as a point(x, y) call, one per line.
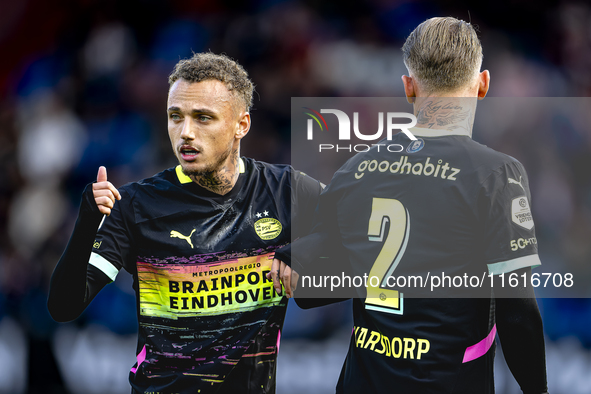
point(443, 206)
point(209, 319)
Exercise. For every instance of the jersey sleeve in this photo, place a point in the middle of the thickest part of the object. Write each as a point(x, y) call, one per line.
point(509, 235)
point(319, 234)
point(74, 283)
point(318, 250)
point(111, 250)
point(304, 199)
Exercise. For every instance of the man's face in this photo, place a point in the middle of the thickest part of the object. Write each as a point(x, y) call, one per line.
point(204, 125)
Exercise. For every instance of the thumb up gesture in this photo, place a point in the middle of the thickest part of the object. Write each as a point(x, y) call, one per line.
point(104, 192)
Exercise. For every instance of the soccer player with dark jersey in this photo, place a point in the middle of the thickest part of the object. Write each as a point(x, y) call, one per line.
point(444, 206)
point(198, 239)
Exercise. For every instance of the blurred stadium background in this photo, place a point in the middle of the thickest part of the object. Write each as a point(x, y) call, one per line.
point(84, 83)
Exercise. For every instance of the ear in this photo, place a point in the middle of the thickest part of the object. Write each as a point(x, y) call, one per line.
point(409, 89)
point(243, 125)
point(483, 84)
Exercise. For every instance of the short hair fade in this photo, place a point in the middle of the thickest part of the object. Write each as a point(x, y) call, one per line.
point(444, 54)
point(205, 66)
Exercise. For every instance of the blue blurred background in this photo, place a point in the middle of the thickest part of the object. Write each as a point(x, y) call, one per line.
point(84, 83)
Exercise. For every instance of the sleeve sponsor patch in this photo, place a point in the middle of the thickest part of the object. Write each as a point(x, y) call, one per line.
point(521, 213)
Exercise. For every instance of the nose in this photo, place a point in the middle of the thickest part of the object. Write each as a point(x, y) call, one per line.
point(187, 132)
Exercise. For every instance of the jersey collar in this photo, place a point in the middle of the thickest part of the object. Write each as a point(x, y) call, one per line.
point(185, 179)
point(421, 132)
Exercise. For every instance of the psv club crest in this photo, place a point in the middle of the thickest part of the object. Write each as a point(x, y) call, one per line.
point(266, 227)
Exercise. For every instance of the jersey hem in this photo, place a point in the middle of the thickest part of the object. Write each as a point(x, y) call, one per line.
point(503, 267)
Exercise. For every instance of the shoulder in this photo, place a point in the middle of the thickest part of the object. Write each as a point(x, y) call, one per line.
point(261, 168)
point(283, 176)
point(157, 196)
point(478, 162)
point(277, 171)
point(163, 180)
point(490, 164)
point(485, 156)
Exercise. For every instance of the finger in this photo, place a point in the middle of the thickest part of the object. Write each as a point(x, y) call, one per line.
point(104, 210)
point(281, 275)
point(104, 197)
point(102, 174)
point(274, 267)
point(103, 193)
point(286, 279)
point(275, 275)
point(295, 277)
point(104, 201)
point(107, 185)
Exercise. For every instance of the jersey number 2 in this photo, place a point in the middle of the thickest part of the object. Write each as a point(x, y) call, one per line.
point(384, 210)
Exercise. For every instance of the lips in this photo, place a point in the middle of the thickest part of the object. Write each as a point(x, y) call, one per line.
point(188, 153)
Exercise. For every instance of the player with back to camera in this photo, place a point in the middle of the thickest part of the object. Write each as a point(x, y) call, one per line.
point(444, 205)
point(198, 240)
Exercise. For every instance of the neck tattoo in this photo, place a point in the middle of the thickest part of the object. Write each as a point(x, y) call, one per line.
point(221, 180)
point(446, 114)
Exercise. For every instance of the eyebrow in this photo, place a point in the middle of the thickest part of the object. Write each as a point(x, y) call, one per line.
point(194, 111)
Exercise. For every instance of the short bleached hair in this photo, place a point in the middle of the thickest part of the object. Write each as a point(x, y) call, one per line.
point(443, 54)
point(206, 66)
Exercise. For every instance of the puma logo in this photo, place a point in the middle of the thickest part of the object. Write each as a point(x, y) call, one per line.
point(511, 180)
point(176, 234)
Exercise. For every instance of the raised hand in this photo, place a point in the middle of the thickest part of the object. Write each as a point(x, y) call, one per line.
point(104, 192)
